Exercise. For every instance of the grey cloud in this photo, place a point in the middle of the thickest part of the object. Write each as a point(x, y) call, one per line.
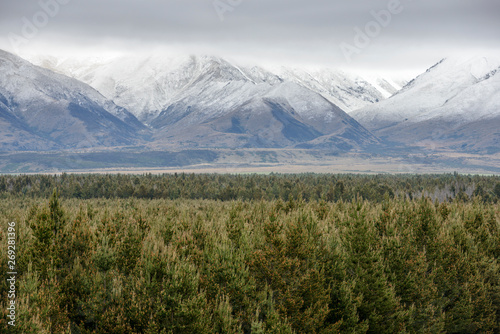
point(298, 30)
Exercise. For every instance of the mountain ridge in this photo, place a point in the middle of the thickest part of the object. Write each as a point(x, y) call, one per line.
point(454, 96)
point(204, 95)
point(58, 112)
point(122, 78)
point(207, 102)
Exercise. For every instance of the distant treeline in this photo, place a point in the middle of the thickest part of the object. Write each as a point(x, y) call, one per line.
point(255, 266)
point(308, 187)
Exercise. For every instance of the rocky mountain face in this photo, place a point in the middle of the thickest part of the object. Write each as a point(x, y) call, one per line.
point(453, 105)
point(42, 110)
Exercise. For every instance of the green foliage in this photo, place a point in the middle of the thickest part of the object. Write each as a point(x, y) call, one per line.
point(308, 187)
point(496, 190)
point(311, 254)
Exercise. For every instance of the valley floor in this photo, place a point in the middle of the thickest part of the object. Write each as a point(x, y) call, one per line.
point(249, 161)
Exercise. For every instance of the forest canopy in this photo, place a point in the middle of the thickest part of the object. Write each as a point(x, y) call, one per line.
point(309, 187)
point(253, 253)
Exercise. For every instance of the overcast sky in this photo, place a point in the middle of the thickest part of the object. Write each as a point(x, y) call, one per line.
point(303, 32)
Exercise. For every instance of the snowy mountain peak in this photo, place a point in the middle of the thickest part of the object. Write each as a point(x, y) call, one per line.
point(146, 86)
point(456, 94)
point(50, 110)
point(346, 90)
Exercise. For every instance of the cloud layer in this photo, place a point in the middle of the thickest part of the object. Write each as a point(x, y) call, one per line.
point(275, 31)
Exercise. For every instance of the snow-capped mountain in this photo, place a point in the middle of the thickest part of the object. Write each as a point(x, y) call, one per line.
point(143, 85)
point(146, 86)
point(42, 110)
point(229, 106)
point(348, 91)
point(215, 88)
point(288, 115)
point(209, 102)
point(455, 103)
point(199, 101)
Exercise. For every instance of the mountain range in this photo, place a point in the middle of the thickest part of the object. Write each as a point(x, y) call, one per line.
point(147, 85)
point(206, 102)
point(454, 105)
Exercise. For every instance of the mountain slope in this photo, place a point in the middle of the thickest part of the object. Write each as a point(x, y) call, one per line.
point(206, 101)
point(16, 135)
point(452, 105)
point(148, 85)
point(49, 111)
point(231, 107)
point(346, 90)
point(144, 85)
